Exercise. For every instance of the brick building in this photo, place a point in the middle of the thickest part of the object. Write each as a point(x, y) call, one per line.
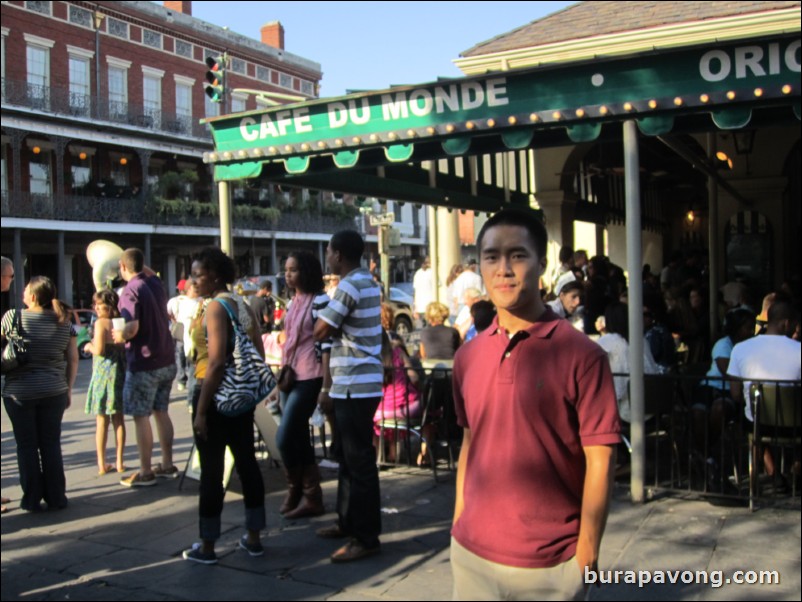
point(101, 138)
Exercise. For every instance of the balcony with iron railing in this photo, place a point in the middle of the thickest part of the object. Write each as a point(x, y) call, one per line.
point(127, 206)
point(65, 103)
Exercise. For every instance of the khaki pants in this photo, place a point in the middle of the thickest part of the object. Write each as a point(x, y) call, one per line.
point(478, 579)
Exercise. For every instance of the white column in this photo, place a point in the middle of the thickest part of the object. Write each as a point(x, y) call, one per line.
point(256, 265)
point(226, 235)
point(448, 248)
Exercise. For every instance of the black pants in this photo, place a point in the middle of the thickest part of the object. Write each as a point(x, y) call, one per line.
point(237, 434)
point(358, 498)
point(37, 430)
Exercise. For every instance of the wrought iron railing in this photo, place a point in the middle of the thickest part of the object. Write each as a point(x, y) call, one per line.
point(125, 207)
point(62, 101)
point(697, 441)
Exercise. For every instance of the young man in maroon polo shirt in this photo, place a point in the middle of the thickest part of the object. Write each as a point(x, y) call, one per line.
point(536, 400)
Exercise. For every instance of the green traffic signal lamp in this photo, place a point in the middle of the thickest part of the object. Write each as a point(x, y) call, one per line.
point(215, 76)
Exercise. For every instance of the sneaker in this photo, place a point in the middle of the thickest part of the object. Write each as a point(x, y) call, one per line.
point(194, 554)
point(182, 387)
point(166, 473)
point(252, 549)
point(137, 480)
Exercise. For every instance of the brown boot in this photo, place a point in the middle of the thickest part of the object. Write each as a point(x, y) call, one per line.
point(294, 489)
point(312, 501)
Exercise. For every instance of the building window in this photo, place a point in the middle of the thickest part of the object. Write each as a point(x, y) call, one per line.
point(80, 16)
point(307, 88)
point(263, 74)
point(212, 109)
point(118, 29)
point(39, 7)
point(38, 66)
point(3, 171)
point(79, 86)
point(183, 49)
point(237, 104)
point(152, 96)
point(119, 171)
point(81, 176)
point(284, 80)
point(238, 66)
point(152, 39)
point(183, 107)
point(39, 173)
point(118, 92)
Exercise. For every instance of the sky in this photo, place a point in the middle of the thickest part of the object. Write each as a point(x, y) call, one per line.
point(373, 45)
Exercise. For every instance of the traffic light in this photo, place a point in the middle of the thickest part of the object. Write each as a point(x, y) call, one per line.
point(216, 78)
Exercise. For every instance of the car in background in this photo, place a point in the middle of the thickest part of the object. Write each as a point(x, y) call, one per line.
point(83, 320)
point(401, 302)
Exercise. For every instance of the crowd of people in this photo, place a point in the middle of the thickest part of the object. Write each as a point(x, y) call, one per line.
point(338, 356)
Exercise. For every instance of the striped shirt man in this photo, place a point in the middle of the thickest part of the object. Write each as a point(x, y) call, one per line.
point(355, 310)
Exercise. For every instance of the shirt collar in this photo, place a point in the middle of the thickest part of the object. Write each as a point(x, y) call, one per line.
point(541, 329)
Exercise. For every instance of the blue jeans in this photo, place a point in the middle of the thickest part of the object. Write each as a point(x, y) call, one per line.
point(182, 364)
point(292, 438)
point(358, 497)
point(37, 430)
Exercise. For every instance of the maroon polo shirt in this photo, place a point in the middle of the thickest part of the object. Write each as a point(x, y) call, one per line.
point(532, 403)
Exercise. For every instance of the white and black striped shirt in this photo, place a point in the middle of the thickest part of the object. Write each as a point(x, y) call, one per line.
point(356, 365)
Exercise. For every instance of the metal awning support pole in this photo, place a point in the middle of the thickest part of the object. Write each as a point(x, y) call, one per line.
point(713, 237)
point(226, 238)
point(431, 228)
point(635, 290)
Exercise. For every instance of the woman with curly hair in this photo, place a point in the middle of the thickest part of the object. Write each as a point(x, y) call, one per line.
point(212, 336)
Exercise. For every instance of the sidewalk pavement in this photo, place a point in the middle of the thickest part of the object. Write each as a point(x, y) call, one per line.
point(114, 543)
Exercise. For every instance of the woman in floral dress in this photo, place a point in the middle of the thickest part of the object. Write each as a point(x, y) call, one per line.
point(104, 398)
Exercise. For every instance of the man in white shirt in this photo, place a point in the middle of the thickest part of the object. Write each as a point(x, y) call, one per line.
point(423, 285)
point(771, 356)
point(467, 280)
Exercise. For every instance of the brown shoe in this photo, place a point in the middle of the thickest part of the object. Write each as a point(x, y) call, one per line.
point(354, 550)
point(312, 500)
point(294, 478)
point(331, 532)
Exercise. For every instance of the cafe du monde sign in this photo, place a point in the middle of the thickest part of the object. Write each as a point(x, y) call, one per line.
point(737, 74)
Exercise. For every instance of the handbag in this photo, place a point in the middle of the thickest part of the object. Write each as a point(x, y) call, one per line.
point(287, 376)
point(15, 353)
point(177, 331)
point(247, 379)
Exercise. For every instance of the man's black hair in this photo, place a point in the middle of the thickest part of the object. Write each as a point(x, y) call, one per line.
point(482, 313)
point(519, 216)
point(349, 244)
